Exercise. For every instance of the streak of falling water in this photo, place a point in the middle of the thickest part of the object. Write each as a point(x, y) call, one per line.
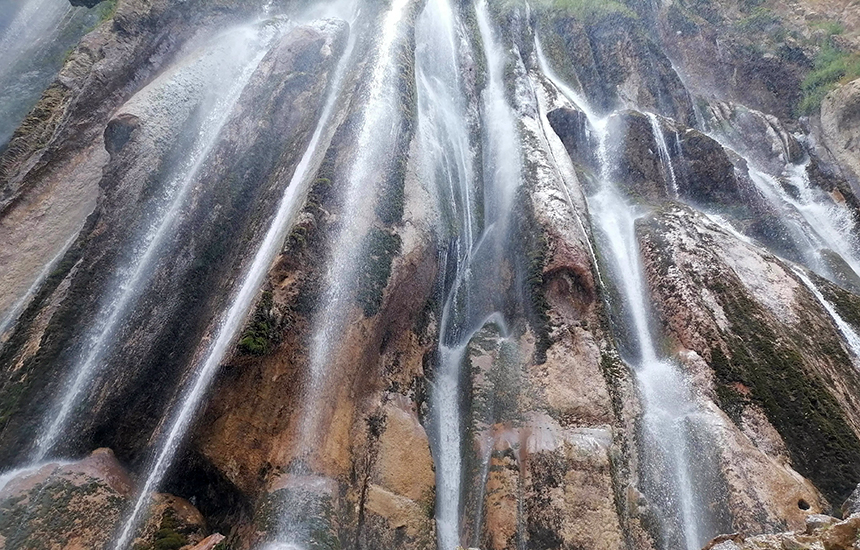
point(375, 141)
point(848, 333)
point(33, 36)
point(34, 22)
point(665, 157)
point(447, 160)
point(244, 299)
point(243, 49)
point(816, 221)
point(472, 301)
point(18, 307)
point(669, 409)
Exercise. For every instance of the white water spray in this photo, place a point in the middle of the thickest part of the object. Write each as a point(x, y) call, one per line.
point(241, 305)
point(242, 50)
point(848, 333)
point(665, 157)
point(19, 306)
point(669, 409)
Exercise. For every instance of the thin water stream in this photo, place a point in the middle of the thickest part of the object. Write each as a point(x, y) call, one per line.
point(669, 409)
point(233, 320)
point(237, 55)
point(473, 301)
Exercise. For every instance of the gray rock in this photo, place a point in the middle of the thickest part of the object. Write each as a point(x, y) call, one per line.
point(852, 505)
point(818, 521)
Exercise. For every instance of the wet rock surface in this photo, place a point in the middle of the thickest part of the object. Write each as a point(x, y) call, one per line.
point(552, 441)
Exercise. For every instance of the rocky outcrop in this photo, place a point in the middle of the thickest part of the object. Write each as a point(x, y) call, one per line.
point(71, 505)
point(608, 53)
point(747, 319)
point(821, 532)
point(840, 119)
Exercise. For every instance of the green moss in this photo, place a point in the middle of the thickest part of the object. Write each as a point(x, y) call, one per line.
point(760, 367)
point(56, 509)
point(106, 10)
point(264, 331)
point(832, 66)
point(169, 535)
point(532, 252)
point(760, 20)
point(378, 251)
point(846, 304)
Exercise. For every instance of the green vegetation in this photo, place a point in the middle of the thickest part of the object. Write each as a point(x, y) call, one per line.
point(105, 10)
point(262, 333)
point(378, 251)
point(168, 537)
point(831, 67)
point(584, 10)
point(52, 512)
point(760, 20)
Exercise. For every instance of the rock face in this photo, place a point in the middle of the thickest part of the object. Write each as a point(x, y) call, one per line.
point(147, 133)
point(840, 119)
point(151, 168)
point(72, 505)
point(742, 330)
point(832, 533)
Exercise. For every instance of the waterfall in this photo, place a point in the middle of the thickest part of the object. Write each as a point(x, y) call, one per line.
point(32, 41)
point(373, 147)
point(19, 306)
point(817, 222)
point(236, 54)
point(670, 413)
point(848, 333)
point(447, 160)
point(665, 157)
point(236, 315)
point(472, 302)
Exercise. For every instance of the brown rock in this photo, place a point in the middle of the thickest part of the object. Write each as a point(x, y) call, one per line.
point(208, 543)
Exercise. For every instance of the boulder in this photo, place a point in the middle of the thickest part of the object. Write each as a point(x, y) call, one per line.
point(852, 505)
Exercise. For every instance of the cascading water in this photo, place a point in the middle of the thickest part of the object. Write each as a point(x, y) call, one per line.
point(472, 302)
point(19, 306)
point(669, 410)
point(848, 333)
point(817, 223)
point(446, 150)
point(665, 157)
point(375, 141)
point(236, 55)
point(231, 324)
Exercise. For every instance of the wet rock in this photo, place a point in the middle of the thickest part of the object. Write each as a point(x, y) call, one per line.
point(73, 505)
point(761, 136)
point(615, 62)
point(158, 124)
point(119, 131)
point(85, 3)
point(719, 57)
point(840, 120)
point(815, 522)
point(743, 291)
point(839, 535)
point(209, 543)
point(573, 128)
point(852, 505)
